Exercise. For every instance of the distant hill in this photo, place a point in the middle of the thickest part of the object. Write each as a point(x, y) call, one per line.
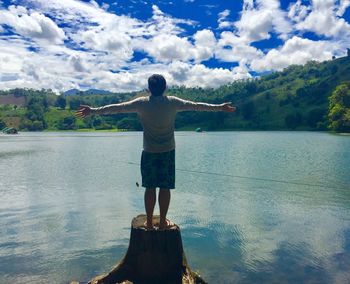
point(296, 98)
point(73, 92)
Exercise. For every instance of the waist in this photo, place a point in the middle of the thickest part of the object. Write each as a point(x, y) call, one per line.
point(158, 143)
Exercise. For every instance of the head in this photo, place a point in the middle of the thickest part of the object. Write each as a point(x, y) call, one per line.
point(156, 85)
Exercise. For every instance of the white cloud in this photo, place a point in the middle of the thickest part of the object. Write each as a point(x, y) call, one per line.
point(70, 10)
point(166, 24)
point(101, 45)
point(255, 25)
point(298, 11)
point(105, 6)
point(222, 21)
point(12, 52)
point(32, 24)
point(107, 40)
point(176, 73)
point(78, 64)
point(165, 43)
point(122, 35)
point(199, 75)
point(260, 18)
point(205, 43)
point(344, 4)
point(323, 20)
point(56, 68)
point(232, 48)
point(295, 51)
point(167, 48)
point(281, 24)
point(76, 68)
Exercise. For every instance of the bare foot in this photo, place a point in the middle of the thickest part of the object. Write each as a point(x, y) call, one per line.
point(148, 226)
point(164, 225)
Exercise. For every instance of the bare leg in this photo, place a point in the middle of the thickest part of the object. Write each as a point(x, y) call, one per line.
point(150, 201)
point(164, 200)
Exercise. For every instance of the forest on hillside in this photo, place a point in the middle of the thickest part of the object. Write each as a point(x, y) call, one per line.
point(314, 96)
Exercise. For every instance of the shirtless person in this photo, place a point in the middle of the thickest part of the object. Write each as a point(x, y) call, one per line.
point(157, 115)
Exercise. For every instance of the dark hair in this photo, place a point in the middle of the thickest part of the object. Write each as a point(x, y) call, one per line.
point(156, 84)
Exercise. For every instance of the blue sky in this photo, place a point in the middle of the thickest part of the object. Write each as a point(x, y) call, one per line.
point(115, 45)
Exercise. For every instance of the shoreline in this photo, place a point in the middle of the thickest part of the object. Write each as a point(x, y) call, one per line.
point(86, 130)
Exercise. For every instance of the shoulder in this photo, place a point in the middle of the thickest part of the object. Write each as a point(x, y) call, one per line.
point(140, 100)
point(173, 99)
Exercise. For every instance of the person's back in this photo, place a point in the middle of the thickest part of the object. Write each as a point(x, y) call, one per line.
point(157, 116)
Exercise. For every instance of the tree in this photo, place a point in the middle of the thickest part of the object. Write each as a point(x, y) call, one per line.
point(34, 117)
point(267, 96)
point(67, 123)
point(293, 120)
point(248, 110)
point(32, 125)
point(2, 124)
point(37, 125)
point(45, 103)
point(61, 102)
point(74, 103)
point(315, 116)
point(307, 89)
point(339, 109)
point(18, 92)
point(129, 122)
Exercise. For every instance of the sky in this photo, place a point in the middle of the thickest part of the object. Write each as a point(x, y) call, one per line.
point(116, 45)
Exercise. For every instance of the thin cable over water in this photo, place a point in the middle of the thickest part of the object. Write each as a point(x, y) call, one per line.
point(248, 177)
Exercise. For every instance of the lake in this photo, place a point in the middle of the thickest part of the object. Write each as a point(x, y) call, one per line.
point(253, 207)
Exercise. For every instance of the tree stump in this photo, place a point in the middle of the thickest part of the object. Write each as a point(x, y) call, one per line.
point(153, 256)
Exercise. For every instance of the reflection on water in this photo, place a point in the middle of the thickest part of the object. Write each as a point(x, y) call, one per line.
point(276, 209)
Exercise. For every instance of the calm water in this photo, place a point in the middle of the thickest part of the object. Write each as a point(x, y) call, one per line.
point(275, 207)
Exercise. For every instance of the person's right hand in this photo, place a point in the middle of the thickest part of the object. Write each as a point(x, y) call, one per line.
point(228, 107)
point(83, 111)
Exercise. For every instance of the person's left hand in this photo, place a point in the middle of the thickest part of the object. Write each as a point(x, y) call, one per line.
point(228, 107)
point(83, 111)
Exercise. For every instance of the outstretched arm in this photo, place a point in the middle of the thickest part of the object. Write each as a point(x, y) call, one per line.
point(227, 107)
point(184, 105)
point(85, 110)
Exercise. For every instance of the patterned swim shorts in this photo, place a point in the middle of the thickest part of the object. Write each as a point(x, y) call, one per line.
point(158, 169)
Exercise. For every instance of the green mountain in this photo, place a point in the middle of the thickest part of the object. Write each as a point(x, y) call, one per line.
point(296, 98)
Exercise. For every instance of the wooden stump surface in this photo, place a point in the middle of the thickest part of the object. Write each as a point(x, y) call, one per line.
point(153, 256)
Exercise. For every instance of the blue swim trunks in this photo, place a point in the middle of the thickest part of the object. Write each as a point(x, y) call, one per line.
point(158, 169)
